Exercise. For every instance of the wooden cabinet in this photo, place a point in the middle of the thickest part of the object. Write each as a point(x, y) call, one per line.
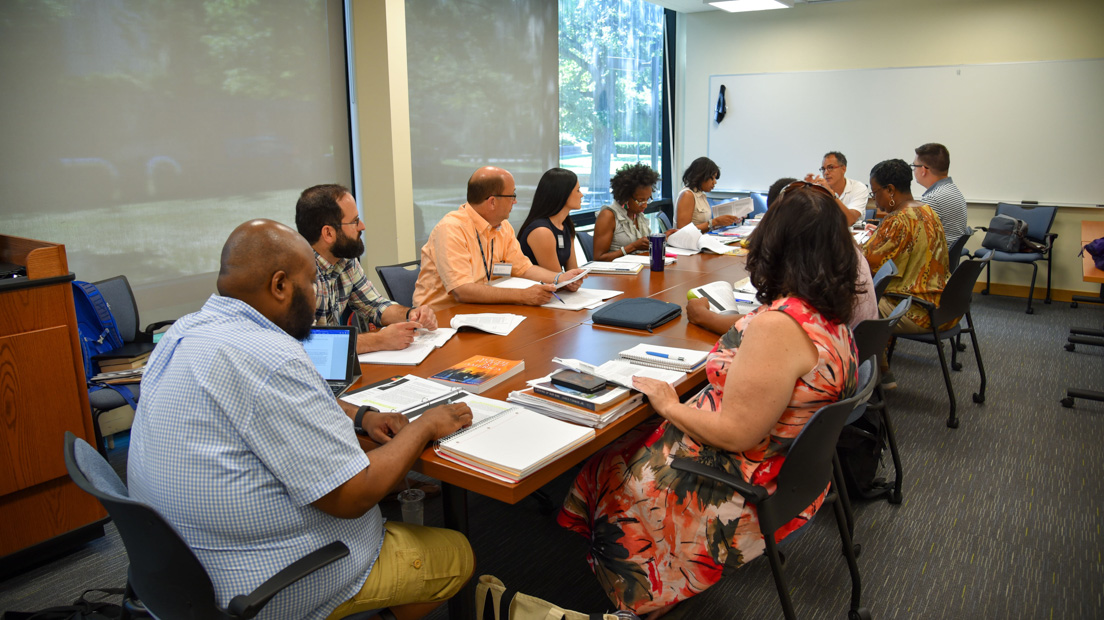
point(42, 395)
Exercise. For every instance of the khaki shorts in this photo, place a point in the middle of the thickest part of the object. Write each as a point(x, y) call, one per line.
point(417, 564)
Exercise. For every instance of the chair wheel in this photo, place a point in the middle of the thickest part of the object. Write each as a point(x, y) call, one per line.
point(952, 423)
point(985, 291)
point(956, 366)
point(895, 497)
point(1073, 304)
point(1070, 346)
point(1031, 311)
point(1067, 402)
point(979, 398)
point(861, 613)
point(961, 346)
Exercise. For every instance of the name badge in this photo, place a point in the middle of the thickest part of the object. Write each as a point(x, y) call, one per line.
point(560, 242)
point(501, 269)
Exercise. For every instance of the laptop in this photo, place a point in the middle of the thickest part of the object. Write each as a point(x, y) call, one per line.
point(332, 348)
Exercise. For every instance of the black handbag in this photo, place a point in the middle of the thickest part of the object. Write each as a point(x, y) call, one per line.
point(637, 313)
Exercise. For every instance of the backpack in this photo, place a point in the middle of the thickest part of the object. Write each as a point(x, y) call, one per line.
point(1005, 234)
point(98, 334)
point(860, 449)
point(1095, 248)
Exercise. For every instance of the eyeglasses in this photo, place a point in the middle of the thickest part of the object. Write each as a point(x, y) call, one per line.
point(640, 202)
point(800, 184)
point(829, 168)
point(874, 191)
point(355, 222)
point(510, 196)
point(915, 166)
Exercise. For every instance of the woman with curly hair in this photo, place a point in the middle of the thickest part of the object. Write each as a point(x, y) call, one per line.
point(692, 206)
point(659, 536)
point(621, 228)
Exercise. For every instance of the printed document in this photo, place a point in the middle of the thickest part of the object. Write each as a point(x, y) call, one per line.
point(492, 323)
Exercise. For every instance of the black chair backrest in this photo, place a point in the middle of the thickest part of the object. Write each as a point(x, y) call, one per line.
point(954, 301)
point(872, 335)
point(955, 253)
point(1038, 218)
point(399, 281)
point(587, 241)
point(663, 219)
point(884, 274)
point(808, 465)
point(164, 572)
point(119, 296)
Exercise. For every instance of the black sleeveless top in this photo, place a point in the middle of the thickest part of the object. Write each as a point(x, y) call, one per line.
point(563, 241)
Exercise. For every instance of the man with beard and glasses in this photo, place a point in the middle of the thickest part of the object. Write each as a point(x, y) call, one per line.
point(326, 215)
point(239, 443)
point(852, 194)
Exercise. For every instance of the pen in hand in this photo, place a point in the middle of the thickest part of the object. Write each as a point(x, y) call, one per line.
point(677, 358)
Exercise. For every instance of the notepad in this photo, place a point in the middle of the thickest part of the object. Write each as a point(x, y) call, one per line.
point(671, 358)
point(513, 444)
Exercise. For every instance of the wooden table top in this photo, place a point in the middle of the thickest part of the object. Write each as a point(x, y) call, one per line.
point(547, 333)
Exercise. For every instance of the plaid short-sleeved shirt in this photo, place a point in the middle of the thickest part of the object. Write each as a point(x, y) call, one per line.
point(235, 436)
point(344, 283)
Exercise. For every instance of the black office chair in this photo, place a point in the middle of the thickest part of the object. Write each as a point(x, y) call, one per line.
point(804, 475)
point(399, 281)
point(587, 241)
point(958, 250)
point(871, 338)
point(117, 293)
point(1039, 220)
point(954, 305)
point(165, 579)
point(882, 277)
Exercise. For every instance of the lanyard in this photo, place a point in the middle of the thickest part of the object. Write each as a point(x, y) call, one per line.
point(486, 269)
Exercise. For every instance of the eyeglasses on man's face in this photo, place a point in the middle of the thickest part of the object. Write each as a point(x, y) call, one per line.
point(510, 196)
point(355, 222)
point(829, 168)
point(917, 166)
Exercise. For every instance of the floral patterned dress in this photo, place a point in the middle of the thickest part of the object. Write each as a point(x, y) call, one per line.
point(659, 536)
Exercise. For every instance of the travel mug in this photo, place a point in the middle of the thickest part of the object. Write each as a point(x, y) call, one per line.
point(413, 506)
point(658, 247)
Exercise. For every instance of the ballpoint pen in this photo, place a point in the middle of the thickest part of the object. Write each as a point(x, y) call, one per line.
point(677, 358)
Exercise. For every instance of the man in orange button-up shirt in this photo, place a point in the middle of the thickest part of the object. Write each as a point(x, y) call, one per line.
point(471, 245)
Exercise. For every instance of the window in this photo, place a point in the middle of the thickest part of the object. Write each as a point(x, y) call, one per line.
point(611, 68)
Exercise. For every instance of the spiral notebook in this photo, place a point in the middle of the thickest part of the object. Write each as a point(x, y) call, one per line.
point(670, 358)
point(512, 444)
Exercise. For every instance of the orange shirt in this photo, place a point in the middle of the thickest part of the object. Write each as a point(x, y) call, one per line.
point(463, 249)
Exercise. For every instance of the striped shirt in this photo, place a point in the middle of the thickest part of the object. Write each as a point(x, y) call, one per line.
point(949, 204)
point(236, 434)
point(344, 284)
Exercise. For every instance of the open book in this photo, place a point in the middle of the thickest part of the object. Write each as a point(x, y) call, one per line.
point(689, 240)
point(425, 342)
point(500, 324)
point(512, 444)
point(620, 372)
point(740, 207)
point(724, 298)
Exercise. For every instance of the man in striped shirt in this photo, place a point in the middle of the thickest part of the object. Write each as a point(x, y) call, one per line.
point(931, 167)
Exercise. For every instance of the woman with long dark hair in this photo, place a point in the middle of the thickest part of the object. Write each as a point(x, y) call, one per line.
point(548, 236)
point(658, 535)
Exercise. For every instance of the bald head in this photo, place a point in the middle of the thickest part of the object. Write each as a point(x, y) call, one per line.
point(486, 182)
point(254, 252)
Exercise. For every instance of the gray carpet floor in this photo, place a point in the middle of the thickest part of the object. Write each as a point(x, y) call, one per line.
point(1001, 518)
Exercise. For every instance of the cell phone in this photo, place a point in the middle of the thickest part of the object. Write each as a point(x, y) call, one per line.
point(580, 381)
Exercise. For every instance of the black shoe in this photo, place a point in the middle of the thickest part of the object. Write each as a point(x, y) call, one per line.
point(889, 382)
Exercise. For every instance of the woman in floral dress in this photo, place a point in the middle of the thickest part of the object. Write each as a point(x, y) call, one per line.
point(659, 536)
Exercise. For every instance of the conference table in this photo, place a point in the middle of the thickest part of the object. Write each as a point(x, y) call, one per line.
point(1090, 231)
point(546, 333)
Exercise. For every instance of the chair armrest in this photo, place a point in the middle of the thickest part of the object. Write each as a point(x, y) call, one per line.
point(928, 306)
point(750, 492)
point(1050, 237)
point(247, 606)
point(981, 228)
point(146, 335)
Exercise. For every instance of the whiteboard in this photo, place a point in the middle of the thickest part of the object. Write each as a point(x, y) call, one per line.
point(1015, 131)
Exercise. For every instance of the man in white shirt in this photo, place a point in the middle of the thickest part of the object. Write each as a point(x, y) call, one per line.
point(853, 194)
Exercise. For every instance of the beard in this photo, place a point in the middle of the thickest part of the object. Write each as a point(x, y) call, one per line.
point(299, 317)
point(347, 247)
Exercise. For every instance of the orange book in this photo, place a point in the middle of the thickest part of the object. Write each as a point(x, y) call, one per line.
point(479, 373)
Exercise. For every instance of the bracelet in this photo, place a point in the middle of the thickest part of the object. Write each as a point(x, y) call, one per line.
point(408, 311)
point(557, 280)
point(623, 252)
point(359, 419)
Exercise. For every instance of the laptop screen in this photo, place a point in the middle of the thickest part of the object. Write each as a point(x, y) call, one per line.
point(331, 348)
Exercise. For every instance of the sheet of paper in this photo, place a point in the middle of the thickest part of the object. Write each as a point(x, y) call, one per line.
point(580, 299)
point(492, 323)
point(739, 207)
point(518, 283)
point(436, 338)
point(410, 356)
point(614, 267)
point(686, 238)
point(405, 393)
point(642, 260)
point(564, 283)
point(715, 245)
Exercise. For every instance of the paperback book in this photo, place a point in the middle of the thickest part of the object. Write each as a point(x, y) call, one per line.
point(479, 373)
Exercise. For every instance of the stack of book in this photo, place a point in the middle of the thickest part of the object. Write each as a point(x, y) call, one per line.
point(595, 410)
point(479, 373)
point(124, 364)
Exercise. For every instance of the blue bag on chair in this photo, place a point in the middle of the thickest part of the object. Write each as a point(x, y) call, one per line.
point(98, 334)
point(1095, 248)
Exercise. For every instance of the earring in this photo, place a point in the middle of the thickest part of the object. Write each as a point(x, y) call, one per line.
point(892, 202)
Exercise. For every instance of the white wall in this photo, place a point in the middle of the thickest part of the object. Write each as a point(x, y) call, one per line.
point(891, 33)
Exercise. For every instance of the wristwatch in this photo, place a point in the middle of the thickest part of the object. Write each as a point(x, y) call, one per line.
point(359, 419)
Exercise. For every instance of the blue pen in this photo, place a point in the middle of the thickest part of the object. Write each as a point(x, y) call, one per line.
point(558, 297)
point(677, 358)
